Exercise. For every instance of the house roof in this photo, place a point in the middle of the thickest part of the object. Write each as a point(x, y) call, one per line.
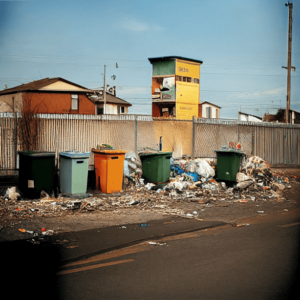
point(115, 100)
point(155, 59)
point(249, 115)
point(39, 84)
point(206, 102)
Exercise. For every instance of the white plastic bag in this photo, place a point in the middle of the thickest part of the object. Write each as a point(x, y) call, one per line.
point(242, 177)
point(190, 167)
point(12, 193)
point(132, 165)
point(204, 169)
point(126, 172)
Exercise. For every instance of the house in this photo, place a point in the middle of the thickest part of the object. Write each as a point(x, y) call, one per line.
point(247, 117)
point(209, 110)
point(279, 117)
point(175, 87)
point(113, 104)
point(57, 96)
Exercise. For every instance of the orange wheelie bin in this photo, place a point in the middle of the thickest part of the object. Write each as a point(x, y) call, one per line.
point(109, 166)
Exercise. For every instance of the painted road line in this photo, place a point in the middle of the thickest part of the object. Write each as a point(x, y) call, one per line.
point(288, 225)
point(94, 267)
point(111, 254)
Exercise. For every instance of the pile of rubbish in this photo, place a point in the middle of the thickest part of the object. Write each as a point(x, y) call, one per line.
point(255, 171)
point(193, 168)
point(194, 178)
point(191, 180)
point(132, 171)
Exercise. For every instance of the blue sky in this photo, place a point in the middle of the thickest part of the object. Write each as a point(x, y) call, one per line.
point(242, 43)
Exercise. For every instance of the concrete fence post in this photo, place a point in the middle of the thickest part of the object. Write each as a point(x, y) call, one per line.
point(136, 135)
point(193, 138)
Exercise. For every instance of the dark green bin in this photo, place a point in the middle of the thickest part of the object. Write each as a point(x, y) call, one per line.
point(228, 164)
point(36, 173)
point(156, 166)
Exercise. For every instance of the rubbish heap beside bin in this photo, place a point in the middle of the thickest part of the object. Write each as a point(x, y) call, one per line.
point(228, 164)
point(73, 170)
point(109, 170)
point(36, 173)
point(156, 166)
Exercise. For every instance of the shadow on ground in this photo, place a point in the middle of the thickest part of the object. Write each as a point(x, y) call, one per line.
point(28, 271)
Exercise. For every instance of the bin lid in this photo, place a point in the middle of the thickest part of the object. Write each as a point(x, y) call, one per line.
point(74, 154)
point(156, 153)
point(115, 151)
point(231, 151)
point(37, 153)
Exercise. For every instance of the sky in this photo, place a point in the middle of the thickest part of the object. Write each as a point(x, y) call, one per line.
point(242, 43)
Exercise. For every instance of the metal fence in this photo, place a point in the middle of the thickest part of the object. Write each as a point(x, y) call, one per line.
point(276, 143)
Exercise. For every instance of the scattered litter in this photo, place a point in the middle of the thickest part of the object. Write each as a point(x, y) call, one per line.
point(72, 247)
point(144, 225)
point(24, 230)
point(123, 227)
point(191, 182)
point(156, 243)
point(44, 195)
point(261, 212)
point(241, 225)
point(12, 194)
point(48, 232)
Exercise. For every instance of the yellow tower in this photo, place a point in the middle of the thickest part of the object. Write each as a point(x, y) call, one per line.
point(175, 87)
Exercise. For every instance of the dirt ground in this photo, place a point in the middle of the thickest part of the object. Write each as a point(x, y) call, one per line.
point(141, 206)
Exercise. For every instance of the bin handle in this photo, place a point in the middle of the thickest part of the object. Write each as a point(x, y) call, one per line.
point(168, 157)
point(80, 162)
point(115, 157)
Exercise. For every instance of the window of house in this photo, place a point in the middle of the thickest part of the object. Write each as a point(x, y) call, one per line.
point(196, 80)
point(122, 109)
point(208, 112)
point(217, 113)
point(189, 79)
point(178, 78)
point(100, 111)
point(74, 102)
point(184, 79)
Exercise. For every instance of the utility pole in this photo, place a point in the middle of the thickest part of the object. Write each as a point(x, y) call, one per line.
point(104, 92)
point(289, 67)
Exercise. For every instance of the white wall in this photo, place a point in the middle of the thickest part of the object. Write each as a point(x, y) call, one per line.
point(213, 110)
point(243, 117)
point(112, 109)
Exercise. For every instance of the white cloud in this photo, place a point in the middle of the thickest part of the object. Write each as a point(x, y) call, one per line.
point(136, 25)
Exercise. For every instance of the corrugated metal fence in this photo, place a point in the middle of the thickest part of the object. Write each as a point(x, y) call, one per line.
point(276, 143)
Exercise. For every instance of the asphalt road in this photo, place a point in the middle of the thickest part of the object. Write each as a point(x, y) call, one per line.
point(256, 261)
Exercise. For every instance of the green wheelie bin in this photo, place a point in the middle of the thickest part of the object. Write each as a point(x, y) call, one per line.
point(228, 164)
point(36, 173)
point(156, 166)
